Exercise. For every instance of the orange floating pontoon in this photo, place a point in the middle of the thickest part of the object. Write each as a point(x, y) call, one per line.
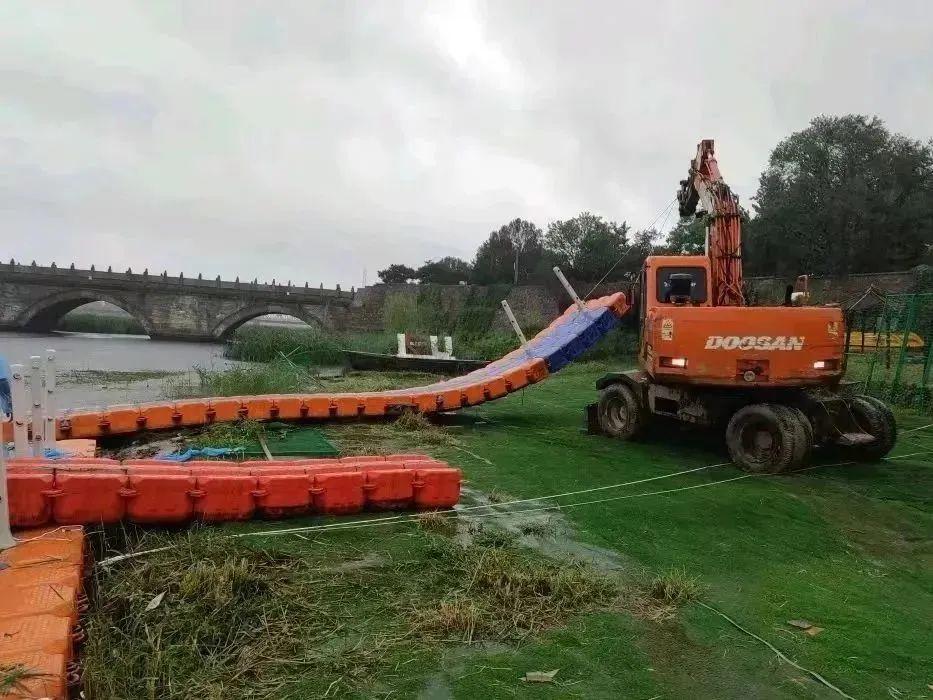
point(150, 492)
point(561, 342)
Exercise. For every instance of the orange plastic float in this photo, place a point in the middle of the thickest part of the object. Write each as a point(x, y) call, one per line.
point(40, 598)
point(150, 492)
point(571, 334)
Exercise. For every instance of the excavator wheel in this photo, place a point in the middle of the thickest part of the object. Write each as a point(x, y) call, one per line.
point(805, 444)
point(873, 416)
point(620, 412)
point(767, 438)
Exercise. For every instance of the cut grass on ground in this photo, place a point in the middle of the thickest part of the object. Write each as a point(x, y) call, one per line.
point(286, 618)
point(388, 611)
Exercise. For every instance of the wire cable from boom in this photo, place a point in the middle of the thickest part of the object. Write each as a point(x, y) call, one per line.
point(453, 514)
point(665, 212)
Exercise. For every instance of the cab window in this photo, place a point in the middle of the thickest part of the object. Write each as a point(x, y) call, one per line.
point(681, 285)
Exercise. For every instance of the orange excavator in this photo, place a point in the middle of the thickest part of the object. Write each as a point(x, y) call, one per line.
point(770, 376)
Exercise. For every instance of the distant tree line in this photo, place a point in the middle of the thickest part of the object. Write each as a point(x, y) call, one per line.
point(842, 196)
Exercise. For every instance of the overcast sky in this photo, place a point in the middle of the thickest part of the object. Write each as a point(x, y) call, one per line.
point(315, 140)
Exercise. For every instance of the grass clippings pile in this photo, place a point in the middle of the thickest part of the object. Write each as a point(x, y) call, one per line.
point(296, 618)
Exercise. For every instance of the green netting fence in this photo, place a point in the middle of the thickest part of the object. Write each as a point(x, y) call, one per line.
point(889, 347)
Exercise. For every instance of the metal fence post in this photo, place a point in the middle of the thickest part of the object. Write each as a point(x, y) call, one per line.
point(38, 395)
point(6, 536)
point(911, 313)
point(20, 420)
point(49, 432)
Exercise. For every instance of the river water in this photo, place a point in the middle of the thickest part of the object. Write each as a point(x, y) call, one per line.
point(84, 358)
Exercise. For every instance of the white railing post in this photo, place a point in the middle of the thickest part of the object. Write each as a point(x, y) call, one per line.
point(570, 290)
point(402, 346)
point(514, 322)
point(37, 393)
point(6, 536)
point(49, 433)
point(20, 420)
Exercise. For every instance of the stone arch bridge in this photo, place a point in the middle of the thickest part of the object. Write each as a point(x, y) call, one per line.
point(34, 298)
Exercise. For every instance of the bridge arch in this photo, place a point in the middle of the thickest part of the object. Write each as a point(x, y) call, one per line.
point(45, 314)
point(313, 318)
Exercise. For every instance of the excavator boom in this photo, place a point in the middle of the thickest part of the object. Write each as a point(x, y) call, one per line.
point(704, 185)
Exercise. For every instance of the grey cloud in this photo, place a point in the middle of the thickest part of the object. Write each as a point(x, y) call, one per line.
point(312, 140)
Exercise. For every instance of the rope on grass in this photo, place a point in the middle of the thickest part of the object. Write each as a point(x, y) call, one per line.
point(452, 514)
point(777, 651)
point(912, 430)
point(408, 516)
point(412, 517)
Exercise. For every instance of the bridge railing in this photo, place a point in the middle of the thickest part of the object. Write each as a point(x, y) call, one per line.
point(53, 273)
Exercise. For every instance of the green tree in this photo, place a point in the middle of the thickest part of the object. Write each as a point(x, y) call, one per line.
point(395, 274)
point(447, 270)
point(844, 195)
point(510, 254)
point(688, 237)
point(586, 246)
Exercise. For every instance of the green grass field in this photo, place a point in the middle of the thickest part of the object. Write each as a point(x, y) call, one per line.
point(464, 610)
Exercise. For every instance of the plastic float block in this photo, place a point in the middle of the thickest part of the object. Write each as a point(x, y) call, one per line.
point(224, 409)
point(44, 599)
point(375, 405)
point(121, 419)
point(378, 466)
point(338, 492)
point(283, 495)
point(437, 487)
point(51, 573)
point(318, 406)
point(191, 412)
point(289, 407)
point(46, 679)
point(50, 634)
point(363, 459)
point(84, 425)
point(389, 488)
point(349, 405)
point(495, 388)
point(221, 495)
point(28, 494)
point(83, 496)
point(258, 407)
point(472, 394)
point(284, 469)
point(450, 400)
point(157, 495)
point(45, 546)
point(331, 469)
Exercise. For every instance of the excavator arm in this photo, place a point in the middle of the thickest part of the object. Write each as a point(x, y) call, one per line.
point(704, 185)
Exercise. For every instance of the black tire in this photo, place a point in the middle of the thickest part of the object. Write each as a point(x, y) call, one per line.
point(620, 412)
point(766, 438)
point(805, 442)
point(873, 416)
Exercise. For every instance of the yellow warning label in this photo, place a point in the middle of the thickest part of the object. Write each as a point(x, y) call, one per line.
point(667, 329)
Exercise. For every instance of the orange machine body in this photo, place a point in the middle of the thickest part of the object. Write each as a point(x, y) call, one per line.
point(694, 342)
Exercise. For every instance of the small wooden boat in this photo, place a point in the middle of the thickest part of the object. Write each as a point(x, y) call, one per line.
point(411, 363)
